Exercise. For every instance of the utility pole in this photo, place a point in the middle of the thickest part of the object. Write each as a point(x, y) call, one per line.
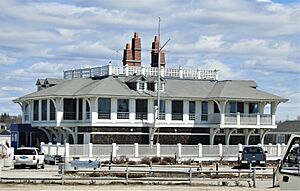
point(157, 108)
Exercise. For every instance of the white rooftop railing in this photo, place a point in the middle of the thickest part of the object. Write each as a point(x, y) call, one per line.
point(108, 70)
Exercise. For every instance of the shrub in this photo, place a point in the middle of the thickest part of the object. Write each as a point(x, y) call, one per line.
point(163, 162)
point(145, 160)
point(132, 162)
point(155, 159)
point(187, 162)
point(122, 160)
point(170, 160)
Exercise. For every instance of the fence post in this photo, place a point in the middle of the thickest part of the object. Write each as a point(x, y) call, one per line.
point(41, 147)
point(57, 147)
point(90, 150)
point(49, 148)
point(67, 150)
point(179, 150)
point(191, 175)
point(278, 150)
point(254, 177)
point(136, 150)
point(200, 154)
point(114, 150)
point(220, 149)
point(158, 149)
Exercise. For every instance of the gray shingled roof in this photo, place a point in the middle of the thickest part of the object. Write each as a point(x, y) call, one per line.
point(240, 89)
point(174, 88)
point(53, 81)
point(288, 126)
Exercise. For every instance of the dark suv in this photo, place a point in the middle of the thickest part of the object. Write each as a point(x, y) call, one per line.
point(254, 155)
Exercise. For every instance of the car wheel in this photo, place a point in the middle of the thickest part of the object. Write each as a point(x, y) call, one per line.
point(43, 166)
point(16, 166)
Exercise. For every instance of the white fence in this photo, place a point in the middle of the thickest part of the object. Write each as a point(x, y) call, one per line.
point(199, 152)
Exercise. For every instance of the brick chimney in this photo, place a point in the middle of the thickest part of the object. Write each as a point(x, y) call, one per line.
point(132, 57)
point(136, 50)
point(127, 55)
point(154, 54)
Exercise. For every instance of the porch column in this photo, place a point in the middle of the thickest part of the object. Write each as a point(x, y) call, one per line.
point(247, 135)
point(150, 110)
point(263, 133)
point(59, 110)
point(84, 109)
point(40, 110)
point(93, 109)
point(185, 111)
point(198, 112)
point(132, 110)
point(213, 132)
point(77, 109)
point(228, 133)
point(222, 106)
point(273, 111)
point(168, 111)
point(48, 109)
point(114, 109)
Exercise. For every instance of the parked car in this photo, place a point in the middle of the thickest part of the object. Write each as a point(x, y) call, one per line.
point(294, 155)
point(28, 156)
point(254, 155)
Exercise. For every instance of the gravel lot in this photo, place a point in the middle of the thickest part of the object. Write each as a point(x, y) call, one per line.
point(6, 187)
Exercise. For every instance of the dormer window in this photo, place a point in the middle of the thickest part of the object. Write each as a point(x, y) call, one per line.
point(141, 86)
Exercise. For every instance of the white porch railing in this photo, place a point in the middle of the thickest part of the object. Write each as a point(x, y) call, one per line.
point(99, 71)
point(247, 119)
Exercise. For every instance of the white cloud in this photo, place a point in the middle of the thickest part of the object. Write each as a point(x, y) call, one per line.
point(224, 70)
point(39, 70)
point(6, 60)
point(11, 88)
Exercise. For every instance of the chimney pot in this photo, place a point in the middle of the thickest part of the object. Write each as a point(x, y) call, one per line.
point(127, 45)
point(136, 35)
point(155, 38)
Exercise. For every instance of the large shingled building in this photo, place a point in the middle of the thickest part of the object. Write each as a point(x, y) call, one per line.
point(116, 104)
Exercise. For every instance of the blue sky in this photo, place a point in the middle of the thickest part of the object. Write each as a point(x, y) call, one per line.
point(244, 39)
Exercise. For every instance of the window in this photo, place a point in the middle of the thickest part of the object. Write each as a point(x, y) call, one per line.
point(253, 108)
point(123, 109)
point(69, 109)
point(216, 108)
point(52, 110)
point(141, 108)
point(44, 110)
point(104, 108)
point(232, 107)
point(192, 110)
point(162, 109)
point(36, 110)
point(142, 86)
point(177, 110)
point(240, 107)
point(204, 109)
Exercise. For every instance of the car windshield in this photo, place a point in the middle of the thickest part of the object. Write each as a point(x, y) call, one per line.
point(253, 150)
point(25, 152)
